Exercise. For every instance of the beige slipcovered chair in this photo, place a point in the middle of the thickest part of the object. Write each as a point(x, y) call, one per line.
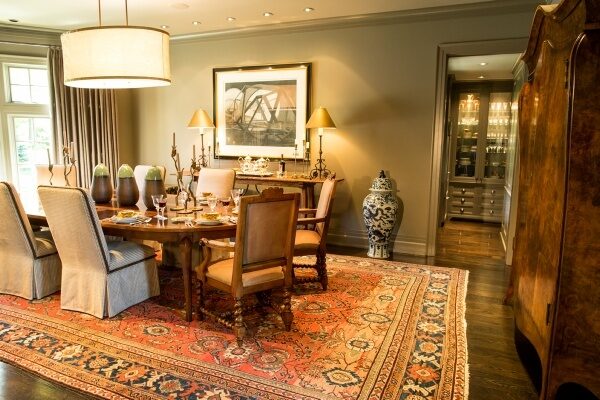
point(99, 277)
point(219, 182)
point(262, 260)
point(29, 263)
point(58, 175)
point(312, 239)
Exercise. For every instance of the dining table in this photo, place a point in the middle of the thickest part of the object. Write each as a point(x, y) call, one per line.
point(171, 230)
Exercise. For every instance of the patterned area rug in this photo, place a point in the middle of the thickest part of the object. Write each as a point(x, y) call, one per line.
point(382, 330)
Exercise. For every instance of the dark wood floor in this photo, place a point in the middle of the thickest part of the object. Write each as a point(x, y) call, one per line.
point(495, 370)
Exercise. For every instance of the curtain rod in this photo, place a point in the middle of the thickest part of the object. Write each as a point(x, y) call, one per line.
point(27, 44)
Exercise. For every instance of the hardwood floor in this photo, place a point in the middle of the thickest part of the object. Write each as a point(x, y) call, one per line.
point(495, 370)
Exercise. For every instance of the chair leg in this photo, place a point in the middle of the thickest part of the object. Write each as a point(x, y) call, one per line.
point(238, 323)
point(200, 293)
point(286, 315)
point(321, 266)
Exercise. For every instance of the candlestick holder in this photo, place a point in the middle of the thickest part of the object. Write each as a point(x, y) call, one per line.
point(68, 161)
point(194, 169)
point(50, 168)
point(320, 170)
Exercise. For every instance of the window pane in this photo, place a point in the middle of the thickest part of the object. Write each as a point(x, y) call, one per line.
point(42, 129)
point(39, 77)
point(18, 76)
point(40, 153)
point(20, 94)
point(27, 178)
point(24, 150)
point(40, 95)
point(22, 131)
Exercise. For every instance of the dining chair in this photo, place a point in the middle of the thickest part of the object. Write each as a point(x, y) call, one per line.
point(56, 177)
point(29, 263)
point(99, 277)
point(217, 181)
point(262, 258)
point(312, 238)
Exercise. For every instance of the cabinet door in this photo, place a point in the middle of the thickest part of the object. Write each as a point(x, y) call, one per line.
point(496, 137)
point(468, 106)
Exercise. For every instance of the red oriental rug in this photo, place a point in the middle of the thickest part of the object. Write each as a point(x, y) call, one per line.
point(382, 330)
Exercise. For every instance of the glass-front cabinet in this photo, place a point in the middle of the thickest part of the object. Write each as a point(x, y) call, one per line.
point(481, 118)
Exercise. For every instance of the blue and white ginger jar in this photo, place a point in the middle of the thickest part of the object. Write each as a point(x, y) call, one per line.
point(379, 211)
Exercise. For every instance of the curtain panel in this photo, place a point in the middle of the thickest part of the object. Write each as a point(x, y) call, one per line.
point(85, 117)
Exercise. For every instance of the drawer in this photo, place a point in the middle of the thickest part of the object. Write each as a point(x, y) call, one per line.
point(457, 210)
point(462, 192)
point(492, 202)
point(463, 202)
point(492, 192)
point(491, 212)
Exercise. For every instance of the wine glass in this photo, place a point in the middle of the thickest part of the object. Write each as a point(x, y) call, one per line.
point(160, 202)
point(212, 202)
point(235, 195)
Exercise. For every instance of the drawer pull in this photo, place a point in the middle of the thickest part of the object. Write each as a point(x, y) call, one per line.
point(493, 191)
point(492, 201)
point(491, 212)
point(462, 210)
point(462, 200)
point(463, 190)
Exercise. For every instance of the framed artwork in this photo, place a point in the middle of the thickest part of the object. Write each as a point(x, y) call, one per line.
point(261, 111)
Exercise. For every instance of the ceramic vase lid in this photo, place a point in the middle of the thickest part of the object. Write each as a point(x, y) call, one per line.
point(381, 184)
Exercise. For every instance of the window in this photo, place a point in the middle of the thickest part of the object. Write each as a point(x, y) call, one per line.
point(26, 136)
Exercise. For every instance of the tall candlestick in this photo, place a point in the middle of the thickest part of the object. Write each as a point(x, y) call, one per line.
point(307, 145)
point(72, 151)
point(48, 151)
point(173, 139)
point(194, 152)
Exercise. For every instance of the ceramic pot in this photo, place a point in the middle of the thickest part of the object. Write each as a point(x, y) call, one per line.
point(128, 193)
point(102, 189)
point(379, 211)
point(153, 187)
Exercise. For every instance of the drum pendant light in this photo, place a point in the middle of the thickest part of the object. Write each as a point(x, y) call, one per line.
point(115, 57)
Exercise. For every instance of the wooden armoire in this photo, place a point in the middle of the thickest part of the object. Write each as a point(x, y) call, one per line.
point(557, 244)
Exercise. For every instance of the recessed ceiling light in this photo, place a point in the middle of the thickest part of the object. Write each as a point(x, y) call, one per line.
point(230, 19)
point(164, 26)
point(481, 76)
point(196, 22)
point(13, 20)
point(308, 9)
point(267, 14)
point(483, 64)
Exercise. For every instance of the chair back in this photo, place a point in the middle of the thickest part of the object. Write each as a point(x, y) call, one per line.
point(325, 204)
point(15, 230)
point(266, 232)
point(140, 171)
point(58, 175)
point(217, 181)
point(72, 218)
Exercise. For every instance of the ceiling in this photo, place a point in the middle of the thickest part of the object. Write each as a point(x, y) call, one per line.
point(497, 66)
point(211, 15)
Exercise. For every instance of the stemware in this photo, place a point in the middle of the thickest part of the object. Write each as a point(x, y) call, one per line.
point(160, 202)
point(212, 202)
point(235, 195)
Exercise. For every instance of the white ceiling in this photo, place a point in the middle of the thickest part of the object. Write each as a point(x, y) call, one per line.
point(179, 15)
point(498, 66)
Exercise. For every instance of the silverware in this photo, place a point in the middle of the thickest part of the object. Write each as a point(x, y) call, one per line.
point(141, 220)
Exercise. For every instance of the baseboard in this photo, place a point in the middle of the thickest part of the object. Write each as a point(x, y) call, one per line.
point(359, 239)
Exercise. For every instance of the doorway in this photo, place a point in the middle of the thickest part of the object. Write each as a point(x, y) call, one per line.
point(458, 63)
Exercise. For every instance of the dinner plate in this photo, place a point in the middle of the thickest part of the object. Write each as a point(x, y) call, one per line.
point(178, 220)
point(208, 222)
point(127, 220)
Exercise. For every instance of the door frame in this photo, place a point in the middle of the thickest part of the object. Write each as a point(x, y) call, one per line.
point(445, 51)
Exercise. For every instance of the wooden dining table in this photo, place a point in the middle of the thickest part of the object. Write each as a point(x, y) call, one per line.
point(161, 231)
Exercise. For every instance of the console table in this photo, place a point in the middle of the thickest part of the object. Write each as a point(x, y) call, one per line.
point(307, 186)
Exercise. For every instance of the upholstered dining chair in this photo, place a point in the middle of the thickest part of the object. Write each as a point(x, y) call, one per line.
point(57, 177)
point(29, 263)
point(312, 238)
point(217, 181)
point(262, 260)
point(99, 277)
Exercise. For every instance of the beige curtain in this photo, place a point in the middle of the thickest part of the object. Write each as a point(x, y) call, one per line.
point(86, 117)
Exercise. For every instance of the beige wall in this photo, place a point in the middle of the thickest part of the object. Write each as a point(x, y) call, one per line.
point(378, 83)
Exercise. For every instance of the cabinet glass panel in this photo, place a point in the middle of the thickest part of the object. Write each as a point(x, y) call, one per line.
point(496, 146)
point(467, 134)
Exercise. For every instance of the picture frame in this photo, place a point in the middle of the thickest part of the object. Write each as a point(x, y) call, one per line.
point(261, 111)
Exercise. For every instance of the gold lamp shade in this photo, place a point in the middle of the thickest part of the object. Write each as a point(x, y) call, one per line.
point(200, 119)
point(320, 118)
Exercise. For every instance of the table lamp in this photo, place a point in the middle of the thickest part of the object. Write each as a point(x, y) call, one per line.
point(320, 119)
point(201, 120)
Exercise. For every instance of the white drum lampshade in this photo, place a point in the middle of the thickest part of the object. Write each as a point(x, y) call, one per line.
point(116, 57)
